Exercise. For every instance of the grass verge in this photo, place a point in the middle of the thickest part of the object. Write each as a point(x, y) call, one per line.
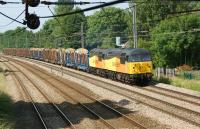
point(180, 82)
point(6, 106)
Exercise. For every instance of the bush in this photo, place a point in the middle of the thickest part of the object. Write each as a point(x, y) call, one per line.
point(184, 68)
point(163, 80)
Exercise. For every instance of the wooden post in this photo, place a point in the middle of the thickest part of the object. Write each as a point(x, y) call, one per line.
point(158, 77)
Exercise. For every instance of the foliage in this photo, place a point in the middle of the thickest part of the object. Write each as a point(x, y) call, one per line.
point(184, 68)
point(173, 43)
point(162, 80)
point(6, 107)
point(64, 31)
point(151, 12)
point(104, 26)
point(17, 38)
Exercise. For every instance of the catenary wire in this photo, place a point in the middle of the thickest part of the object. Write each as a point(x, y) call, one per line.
point(13, 20)
point(87, 9)
point(23, 23)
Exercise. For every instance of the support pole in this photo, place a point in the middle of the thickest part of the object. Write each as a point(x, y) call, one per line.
point(134, 26)
point(82, 35)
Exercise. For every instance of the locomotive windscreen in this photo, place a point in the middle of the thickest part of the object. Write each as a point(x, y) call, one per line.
point(140, 57)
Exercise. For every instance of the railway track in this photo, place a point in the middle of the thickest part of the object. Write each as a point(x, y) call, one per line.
point(195, 100)
point(36, 108)
point(128, 122)
point(18, 80)
point(120, 91)
point(24, 91)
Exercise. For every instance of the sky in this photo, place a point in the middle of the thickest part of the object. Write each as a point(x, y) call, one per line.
point(13, 10)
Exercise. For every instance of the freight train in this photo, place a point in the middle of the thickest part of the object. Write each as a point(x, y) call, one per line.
point(125, 65)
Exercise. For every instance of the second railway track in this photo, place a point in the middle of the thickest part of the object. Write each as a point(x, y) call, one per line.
point(195, 100)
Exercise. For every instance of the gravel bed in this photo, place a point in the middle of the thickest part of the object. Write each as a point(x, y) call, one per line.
point(160, 117)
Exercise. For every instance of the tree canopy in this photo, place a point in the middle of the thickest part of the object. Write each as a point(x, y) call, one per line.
point(105, 25)
point(176, 41)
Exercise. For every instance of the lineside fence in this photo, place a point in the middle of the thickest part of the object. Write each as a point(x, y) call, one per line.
point(164, 72)
point(167, 73)
point(190, 75)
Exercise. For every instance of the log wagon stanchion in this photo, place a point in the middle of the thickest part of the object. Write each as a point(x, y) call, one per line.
point(61, 61)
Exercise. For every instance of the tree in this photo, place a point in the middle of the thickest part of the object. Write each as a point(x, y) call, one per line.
point(104, 26)
point(65, 28)
point(175, 42)
point(14, 38)
point(151, 12)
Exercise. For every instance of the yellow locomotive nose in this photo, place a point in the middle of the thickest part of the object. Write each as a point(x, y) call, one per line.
point(140, 67)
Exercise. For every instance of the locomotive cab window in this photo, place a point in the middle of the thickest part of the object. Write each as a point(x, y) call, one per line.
point(123, 58)
point(100, 56)
point(140, 57)
point(127, 58)
point(103, 56)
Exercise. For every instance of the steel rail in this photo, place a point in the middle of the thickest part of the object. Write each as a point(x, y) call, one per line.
point(91, 98)
point(29, 97)
point(63, 116)
point(172, 96)
point(181, 93)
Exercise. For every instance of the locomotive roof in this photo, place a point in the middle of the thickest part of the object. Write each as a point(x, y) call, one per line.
point(97, 51)
point(128, 51)
point(118, 52)
point(133, 51)
point(112, 52)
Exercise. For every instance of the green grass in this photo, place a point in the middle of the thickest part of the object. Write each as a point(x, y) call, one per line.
point(189, 84)
point(181, 82)
point(162, 80)
point(193, 75)
point(6, 106)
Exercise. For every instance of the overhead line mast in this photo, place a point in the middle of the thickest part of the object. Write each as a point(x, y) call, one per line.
point(134, 26)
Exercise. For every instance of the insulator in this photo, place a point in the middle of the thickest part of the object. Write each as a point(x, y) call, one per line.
point(33, 21)
point(33, 3)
